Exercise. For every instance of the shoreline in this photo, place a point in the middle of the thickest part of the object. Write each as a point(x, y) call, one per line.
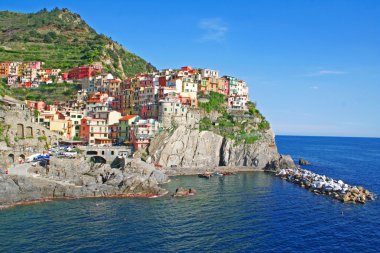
point(183, 172)
point(114, 196)
point(196, 171)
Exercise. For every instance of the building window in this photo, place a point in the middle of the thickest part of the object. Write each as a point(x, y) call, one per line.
point(92, 135)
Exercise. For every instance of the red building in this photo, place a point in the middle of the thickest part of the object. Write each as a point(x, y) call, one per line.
point(162, 81)
point(83, 72)
point(84, 131)
point(65, 76)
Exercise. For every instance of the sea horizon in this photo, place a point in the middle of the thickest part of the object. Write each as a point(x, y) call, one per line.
point(328, 136)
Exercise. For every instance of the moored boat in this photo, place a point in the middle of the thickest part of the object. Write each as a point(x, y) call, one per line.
point(205, 175)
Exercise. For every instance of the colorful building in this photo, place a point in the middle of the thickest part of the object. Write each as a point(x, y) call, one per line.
point(84, 72)
point(125, 124)
point(142, 132)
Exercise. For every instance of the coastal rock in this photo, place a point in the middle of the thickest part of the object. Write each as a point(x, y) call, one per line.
point(191, 148)
point(75, 178)
point(286, 162)
point(258, 155)
point(188, 148)
point(9, 190)
point(302, 161)
point(320, 184)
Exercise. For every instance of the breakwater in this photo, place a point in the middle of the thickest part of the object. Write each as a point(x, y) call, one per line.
point(320, 184)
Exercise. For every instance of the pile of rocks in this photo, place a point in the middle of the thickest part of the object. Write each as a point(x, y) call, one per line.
point(323, 185)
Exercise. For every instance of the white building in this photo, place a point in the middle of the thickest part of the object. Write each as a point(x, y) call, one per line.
point(209, 73)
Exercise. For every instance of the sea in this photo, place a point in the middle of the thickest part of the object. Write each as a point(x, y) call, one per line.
point(247, 212)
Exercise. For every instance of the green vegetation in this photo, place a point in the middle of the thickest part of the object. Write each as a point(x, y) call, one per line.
point(205, 124)
point(42, 138)
point(48, 93)
point(4, 89)
point(253, 111)
point(242, 128)
point(4, 133)
point(216, 102)
point(63, 40)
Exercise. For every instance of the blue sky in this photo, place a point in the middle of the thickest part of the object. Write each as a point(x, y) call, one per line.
point(313, 66)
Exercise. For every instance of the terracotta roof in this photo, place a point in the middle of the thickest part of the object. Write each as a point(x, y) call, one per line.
point(128, 117)
point(93, 101)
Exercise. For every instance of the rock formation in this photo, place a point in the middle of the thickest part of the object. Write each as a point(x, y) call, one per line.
point(302, 161)
point(319, 184)
point(191, 148)
point(76, 178)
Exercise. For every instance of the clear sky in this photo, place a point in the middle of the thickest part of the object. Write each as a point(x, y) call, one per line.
point(313, 66)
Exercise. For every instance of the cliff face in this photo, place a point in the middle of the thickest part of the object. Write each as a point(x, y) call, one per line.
point(191, 148)
point(187, 148)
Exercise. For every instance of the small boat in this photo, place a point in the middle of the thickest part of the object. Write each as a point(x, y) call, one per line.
point(205, 175)
point(218, 174)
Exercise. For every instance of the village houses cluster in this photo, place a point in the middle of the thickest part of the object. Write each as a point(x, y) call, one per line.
point(111, 111)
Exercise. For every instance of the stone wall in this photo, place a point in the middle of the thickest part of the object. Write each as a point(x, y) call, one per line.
point(20, 136)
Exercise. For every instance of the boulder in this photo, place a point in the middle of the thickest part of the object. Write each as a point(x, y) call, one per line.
point(302, 161)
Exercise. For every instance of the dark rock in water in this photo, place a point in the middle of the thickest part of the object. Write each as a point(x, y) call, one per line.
point(302, 161)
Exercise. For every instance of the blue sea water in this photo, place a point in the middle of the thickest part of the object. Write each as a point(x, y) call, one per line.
point(247, 212)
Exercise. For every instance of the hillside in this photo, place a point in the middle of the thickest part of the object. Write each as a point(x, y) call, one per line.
point(62, 39)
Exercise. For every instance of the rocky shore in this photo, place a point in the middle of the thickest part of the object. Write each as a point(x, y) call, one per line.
point(320, 184)
point(76, 178)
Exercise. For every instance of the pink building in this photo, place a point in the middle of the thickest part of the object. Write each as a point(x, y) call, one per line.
point(40, 105)
point(35, 65)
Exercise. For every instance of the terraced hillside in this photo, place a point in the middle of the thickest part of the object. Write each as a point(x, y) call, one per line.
point(62, 39)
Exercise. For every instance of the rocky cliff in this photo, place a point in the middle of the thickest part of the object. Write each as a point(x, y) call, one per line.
point(191, 148)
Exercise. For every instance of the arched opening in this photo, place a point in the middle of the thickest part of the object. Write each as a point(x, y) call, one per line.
point(98, 159)
point(28, 132)
point(20, 131)
point(11, 158)
point(92, 152)
point(103, 152)
point(21, 159)
point(112, 152)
